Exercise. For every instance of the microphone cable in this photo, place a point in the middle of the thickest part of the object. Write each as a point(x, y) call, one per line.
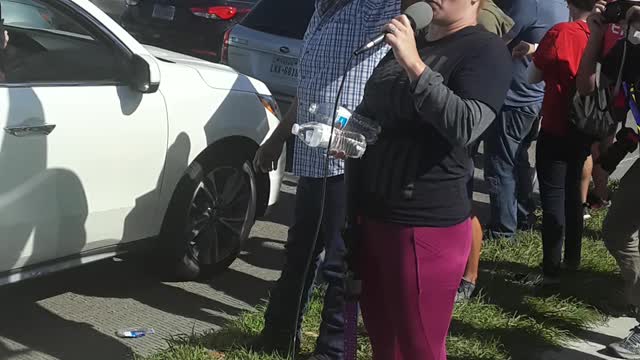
point(292, 345)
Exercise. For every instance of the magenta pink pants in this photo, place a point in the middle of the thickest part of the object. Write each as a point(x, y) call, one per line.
point(410, 276)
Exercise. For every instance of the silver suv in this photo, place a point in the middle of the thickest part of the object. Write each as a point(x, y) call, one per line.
point(267, 44)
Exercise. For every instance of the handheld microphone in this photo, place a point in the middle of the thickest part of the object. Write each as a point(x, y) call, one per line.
point(420, 15)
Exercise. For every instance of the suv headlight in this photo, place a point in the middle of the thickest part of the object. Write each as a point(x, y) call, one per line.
point(271, 105)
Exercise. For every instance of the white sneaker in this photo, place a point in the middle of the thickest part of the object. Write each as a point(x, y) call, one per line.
point(629, 347)
point(585, 212)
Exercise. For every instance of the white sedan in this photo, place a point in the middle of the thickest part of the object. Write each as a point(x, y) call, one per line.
point(107, 142)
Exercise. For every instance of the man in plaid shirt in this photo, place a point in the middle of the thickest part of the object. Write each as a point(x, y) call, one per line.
point(336, 30)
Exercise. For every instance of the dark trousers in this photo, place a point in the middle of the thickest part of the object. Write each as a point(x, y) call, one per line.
point(620, 230)
point(280, 315)
point(559, 163)
point(507, 169)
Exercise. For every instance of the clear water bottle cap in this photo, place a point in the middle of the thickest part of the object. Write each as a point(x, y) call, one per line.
point(295, 129)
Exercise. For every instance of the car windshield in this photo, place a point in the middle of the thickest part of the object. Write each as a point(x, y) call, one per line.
point(288, 18)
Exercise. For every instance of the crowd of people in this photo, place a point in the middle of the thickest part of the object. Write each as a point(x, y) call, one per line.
point(502, 73)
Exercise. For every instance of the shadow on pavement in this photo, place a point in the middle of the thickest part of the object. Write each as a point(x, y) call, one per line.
point(264, 253)
point(38, 329)
point(282, 212)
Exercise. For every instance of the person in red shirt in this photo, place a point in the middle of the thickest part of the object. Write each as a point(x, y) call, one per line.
point(561, 150)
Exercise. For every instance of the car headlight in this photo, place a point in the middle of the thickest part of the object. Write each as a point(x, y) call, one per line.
point(271, 105)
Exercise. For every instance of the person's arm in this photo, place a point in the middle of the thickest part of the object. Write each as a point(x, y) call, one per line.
point(460, 116)
point(283, 130)
point(586, 76)
point(266, 157)
point(461, 121)
point(523, 49)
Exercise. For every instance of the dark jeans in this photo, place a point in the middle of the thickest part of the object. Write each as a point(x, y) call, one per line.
point(559, 161)
point(280, 315)
point(507, 169)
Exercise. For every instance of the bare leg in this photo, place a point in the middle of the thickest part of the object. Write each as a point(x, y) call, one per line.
point(586, 179)
point(471, 272)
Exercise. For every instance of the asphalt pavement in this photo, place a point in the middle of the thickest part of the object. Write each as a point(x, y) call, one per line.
point(73, 315)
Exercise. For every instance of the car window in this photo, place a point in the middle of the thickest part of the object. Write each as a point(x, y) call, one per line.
point(288, 18)
point(50, 45)
point(33, 14)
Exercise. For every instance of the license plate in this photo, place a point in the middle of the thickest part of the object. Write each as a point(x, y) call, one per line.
point(163, 12)
point(284, 67)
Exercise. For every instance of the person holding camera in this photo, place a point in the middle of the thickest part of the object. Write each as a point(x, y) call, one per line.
point(622, 221)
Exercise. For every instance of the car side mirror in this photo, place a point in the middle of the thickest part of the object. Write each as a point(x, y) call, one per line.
point(145, 74)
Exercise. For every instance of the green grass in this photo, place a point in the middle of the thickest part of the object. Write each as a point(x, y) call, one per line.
point(510, 319)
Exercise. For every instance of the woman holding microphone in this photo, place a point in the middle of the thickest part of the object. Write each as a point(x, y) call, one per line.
point(432, 95)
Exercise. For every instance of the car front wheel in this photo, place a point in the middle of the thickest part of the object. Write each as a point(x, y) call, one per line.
point(211, 213)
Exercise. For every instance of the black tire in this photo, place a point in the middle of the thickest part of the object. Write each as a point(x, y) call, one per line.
point(211, 213)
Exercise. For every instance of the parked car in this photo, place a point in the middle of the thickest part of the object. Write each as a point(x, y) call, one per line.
point(107, 143)
point(194, 27)
point(267, 45)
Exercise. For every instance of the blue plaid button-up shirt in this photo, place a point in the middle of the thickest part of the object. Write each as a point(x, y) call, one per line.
point(336, 30)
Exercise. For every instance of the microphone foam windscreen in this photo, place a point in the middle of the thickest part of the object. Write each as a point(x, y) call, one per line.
point(420, 14)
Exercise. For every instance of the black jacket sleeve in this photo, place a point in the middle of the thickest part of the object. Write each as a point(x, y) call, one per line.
point(464, 108)
point(461, 121)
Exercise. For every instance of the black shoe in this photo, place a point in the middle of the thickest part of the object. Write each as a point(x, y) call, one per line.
point(629, 347)
point(465, 290)
point(541, 281)
point(318, 357)
point(569, 267)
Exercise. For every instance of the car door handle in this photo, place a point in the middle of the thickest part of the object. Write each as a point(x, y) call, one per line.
point(30, 130)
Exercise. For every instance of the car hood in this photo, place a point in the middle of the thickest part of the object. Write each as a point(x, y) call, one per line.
point(215, 75)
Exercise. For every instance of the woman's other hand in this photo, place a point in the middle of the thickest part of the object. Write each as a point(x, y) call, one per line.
point(523, 49)
point(401, 38)
point(596, 21)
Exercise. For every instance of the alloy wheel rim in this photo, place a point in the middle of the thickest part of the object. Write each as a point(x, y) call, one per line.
point(219, 214)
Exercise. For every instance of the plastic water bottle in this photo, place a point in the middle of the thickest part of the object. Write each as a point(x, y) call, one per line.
point(323, 113)
point(317, 135)
point(346, 120)
point(134, 333)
